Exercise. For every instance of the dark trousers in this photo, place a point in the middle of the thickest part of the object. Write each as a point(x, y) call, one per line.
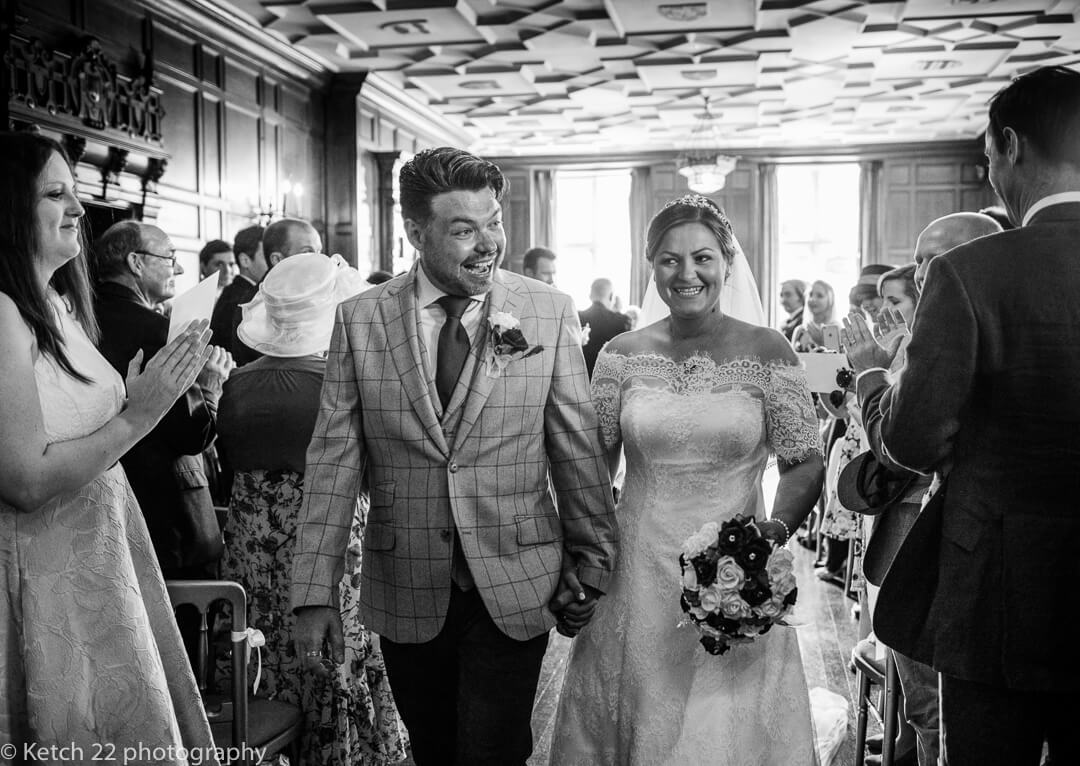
point(993, 726)
point(466, 696)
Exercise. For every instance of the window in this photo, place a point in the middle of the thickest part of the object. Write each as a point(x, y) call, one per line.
point(818, 210)
point(592, 231)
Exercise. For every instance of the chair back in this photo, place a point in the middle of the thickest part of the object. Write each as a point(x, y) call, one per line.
point(202, 594)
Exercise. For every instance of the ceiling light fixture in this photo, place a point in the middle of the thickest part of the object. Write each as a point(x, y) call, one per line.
point(701, 163)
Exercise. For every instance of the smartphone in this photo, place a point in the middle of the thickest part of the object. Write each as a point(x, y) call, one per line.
point(831, 334)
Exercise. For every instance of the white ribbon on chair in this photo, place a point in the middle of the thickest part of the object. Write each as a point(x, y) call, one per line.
point(255, 639)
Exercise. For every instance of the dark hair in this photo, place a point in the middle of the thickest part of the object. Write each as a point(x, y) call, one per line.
point(905, 274)
point(277, 235)
point(533, 255)
point(690, 208)
point(247, 241)
point(860, 293)
point(1044, 107)
point(434, 171)
point(212, 248)
point(379, 276)
point(798, 286)
point(23, 157)
point(999, 214)
point(111, 249)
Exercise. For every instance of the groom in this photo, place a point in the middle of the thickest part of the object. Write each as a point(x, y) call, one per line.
point(467, 565)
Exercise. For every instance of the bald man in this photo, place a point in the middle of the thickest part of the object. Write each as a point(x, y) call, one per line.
point(947, 232)
point(136, 265)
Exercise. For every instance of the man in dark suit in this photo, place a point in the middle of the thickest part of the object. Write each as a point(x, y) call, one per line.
point(136, 264)
point(989, 399)
point(891, 525)
point(252, 267)
point(603, 322)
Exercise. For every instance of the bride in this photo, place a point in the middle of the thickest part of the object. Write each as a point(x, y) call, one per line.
point(697, 400)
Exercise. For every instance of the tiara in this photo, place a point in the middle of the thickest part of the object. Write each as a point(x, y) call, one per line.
point(697, 200)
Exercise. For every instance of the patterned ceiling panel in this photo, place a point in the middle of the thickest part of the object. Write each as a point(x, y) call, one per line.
point(623, 76)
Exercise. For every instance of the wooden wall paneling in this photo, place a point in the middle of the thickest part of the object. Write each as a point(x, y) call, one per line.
point(181, 102)
point(241, 82)
point(342, 165)
point(212, 145)
point(517, 207)
point(899, 210)
point(242, 151)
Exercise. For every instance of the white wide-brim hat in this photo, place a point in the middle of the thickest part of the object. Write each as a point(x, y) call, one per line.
point(293, 313)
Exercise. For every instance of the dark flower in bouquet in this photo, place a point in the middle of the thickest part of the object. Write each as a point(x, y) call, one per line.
point(736, 584)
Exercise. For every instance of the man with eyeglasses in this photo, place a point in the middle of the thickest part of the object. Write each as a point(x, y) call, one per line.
point(135, 264)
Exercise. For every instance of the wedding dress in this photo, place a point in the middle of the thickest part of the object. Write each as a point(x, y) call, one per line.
point(639, 689)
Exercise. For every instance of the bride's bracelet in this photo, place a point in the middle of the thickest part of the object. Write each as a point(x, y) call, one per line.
point(787, 531)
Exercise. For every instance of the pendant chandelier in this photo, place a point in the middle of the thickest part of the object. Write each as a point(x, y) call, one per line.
point(704, 167)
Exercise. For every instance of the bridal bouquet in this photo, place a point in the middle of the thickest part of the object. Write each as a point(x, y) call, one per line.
point(736, 584)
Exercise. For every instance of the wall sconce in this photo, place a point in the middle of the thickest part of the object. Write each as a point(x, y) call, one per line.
point(287, 188)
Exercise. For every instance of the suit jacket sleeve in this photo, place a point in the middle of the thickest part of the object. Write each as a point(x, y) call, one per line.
point(870, 388)
point(920, 414)
point(332, 479)
point(578, 468)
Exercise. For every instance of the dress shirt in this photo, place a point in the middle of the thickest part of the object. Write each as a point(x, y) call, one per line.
point(1053, 199)
point(433, 317)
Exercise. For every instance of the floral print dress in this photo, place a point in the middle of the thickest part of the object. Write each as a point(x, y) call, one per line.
point(351, 717)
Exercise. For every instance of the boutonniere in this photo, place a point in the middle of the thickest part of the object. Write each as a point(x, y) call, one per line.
point(506, 342)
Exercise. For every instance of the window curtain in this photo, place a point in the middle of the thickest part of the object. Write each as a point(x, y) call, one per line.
point(543, 217)
point(764, 261)
point(871, 213)
point(641, 201)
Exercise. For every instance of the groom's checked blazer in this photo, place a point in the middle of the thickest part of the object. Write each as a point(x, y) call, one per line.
point(991, 394)
point(482, 467)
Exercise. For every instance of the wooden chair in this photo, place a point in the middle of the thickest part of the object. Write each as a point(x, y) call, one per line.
point(887, 709)
point(240, 721)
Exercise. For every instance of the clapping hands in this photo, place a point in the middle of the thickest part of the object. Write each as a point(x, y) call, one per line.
point(864, 350)
point(169, 373)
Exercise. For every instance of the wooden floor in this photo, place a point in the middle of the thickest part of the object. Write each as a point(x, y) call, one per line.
point(826, 637)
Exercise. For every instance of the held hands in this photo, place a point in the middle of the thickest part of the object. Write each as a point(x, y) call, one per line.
point(314, 626)
point(573, 604)
point(168, 374)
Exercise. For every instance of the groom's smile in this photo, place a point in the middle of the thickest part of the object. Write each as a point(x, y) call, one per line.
point(463, 241)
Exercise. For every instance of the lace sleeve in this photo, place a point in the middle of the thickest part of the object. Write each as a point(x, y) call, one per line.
point(790, 419)
point(607, 396)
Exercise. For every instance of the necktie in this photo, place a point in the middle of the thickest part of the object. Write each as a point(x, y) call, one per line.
point(453, 346)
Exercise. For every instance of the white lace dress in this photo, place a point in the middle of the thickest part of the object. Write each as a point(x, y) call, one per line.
point(640, 691)
point(90, 656)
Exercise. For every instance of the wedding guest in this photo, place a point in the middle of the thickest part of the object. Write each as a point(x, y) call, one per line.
point(634, 314)
point(944, 234)
point(251, 268)
point(539, 263)
point(821, 306)
point(467, 563)
point(988, 398)
point(698, 400)
point(280, 240)
point(793, 301)
point(603, 321)
point(379, 276)
point(90, 656)
point(216, 257)
point(999, 214)
point(136, 267)
point(268, 413)
point(865, 294)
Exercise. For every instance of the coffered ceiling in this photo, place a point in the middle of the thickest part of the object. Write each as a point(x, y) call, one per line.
point(566, 76)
